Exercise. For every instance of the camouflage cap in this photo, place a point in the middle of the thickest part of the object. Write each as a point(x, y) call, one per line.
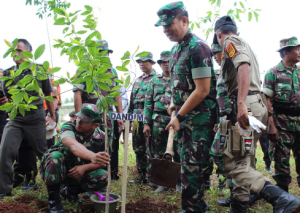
point(164, 56)
point(168, 12)
point(288, 42)
point(88, 113)
point(146, 58)
point(103, 46)
point(216, 48)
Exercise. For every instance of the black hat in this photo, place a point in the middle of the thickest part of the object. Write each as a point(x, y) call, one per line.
point(215, 41)
point(225, 20)
point(72, 114)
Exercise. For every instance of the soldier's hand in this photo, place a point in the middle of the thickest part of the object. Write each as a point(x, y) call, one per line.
point(147, 130)
point(175, 124)
point(3, 101)
point(76, 172)
point(120, 125)
point(171, 109)
point(101, 158)
point(272, 133)
point(242, 116)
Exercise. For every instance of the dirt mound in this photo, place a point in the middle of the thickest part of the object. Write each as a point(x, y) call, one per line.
point(16, 208)
point(33, 201)
point(148, 204)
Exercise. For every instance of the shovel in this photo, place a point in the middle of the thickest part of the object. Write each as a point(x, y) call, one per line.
point(164, 172)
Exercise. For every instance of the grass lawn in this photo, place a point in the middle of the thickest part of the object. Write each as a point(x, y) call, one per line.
point(136, 192)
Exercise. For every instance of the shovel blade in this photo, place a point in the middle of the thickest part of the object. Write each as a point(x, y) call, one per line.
point(165, 173)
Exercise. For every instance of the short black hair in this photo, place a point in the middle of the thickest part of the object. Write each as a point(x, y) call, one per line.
point(226, 29)
point(97, 121)
point(183, 14)
point(27, 44)
point(288, 49)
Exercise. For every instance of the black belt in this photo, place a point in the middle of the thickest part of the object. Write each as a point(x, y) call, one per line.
point(284, 111)
point(138, 106)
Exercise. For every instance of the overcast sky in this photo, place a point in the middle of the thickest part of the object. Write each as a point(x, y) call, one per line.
point(128, 24)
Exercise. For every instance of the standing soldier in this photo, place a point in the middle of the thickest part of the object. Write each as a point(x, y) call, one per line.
point(282, 90)
point(241, 76)
point(193, 98)
point(157, 102)
point(224, 110)
point(137, 102)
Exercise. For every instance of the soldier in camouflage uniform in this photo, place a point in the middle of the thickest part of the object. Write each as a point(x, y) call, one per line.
point(193, 96)
point(81, 96)
point(137, 103)
point(282, 89)
point(224, 110)
point(76, 159)
point(157, 102)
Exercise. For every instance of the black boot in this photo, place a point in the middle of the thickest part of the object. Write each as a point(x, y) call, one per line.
point(253, 198)
point(284, 187)
point(54, 202)
point(281, 201)
point(206, 181)
point(238, 207)
point(5, 195)
point(18, 180)
point(30, 183)
point(71, 193)
point(141, 178)
point(226, 202)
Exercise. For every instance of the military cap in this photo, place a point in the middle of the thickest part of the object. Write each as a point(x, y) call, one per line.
point(88, 113)
point(103, 46)
point(72, 114)
point(164, 56)
point(223, 21)
point(288, 42)
point(146, 58)
point(168, 12)
point(216, 48)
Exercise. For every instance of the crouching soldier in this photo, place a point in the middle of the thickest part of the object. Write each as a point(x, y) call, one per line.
point(76, 160)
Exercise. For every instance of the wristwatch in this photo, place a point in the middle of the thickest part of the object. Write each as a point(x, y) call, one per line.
point(180, 118)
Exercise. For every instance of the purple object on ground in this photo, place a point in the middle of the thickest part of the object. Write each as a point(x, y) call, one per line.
point(103, 198)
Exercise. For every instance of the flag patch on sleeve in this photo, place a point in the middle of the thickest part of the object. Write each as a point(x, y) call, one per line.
point(231, 50)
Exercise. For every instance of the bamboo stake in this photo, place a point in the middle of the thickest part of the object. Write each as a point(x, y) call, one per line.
point(124, 182)
point(108, 167)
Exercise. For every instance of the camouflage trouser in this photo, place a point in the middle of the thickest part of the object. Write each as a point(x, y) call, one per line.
point(54, 170)
point(280, 153)
point(159, 139)
point(218, 159)
point(198, 136)
point(139, 147)
point(177, 145)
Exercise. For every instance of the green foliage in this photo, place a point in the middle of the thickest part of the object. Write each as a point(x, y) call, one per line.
point(206, 23)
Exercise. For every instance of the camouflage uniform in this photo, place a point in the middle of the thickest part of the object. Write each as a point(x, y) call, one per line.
point(93, 98)
point(282, 86)
point(192, 59)
point(157, 101)
point(58, 160)
point(224, 110)
point(137, 100)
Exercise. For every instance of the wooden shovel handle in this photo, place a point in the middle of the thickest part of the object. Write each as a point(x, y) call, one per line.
point(171, 137)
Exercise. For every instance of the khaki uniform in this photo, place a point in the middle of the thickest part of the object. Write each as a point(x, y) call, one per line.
point(245, 178)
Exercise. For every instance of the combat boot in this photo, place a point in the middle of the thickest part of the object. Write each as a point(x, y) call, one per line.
point(238, 207)
point(268, 167)
point(284, 187)
point(18, 180)
point(141, 178)
point(54, 201)
point(71, 193)
point(30, 184)
point(282, 201)
point(5, 195)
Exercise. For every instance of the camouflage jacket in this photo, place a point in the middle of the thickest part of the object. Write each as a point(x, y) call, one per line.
point(282, 86)
point(94, 143)
point(222, 97)
point(139, 90)
point(191, 59)
point(158, 98)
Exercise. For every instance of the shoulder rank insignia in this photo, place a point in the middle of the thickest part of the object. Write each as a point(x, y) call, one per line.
point(231, 50)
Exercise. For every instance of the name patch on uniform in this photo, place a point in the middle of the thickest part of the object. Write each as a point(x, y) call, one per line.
point(231, 50)
point(130, 117)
